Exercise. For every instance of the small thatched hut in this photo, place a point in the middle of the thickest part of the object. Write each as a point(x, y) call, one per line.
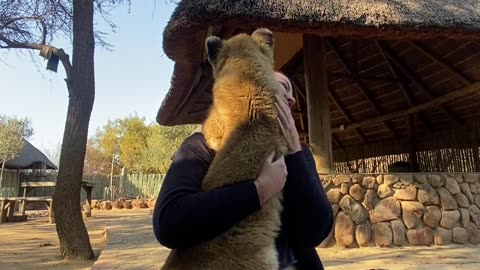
point(376, 81)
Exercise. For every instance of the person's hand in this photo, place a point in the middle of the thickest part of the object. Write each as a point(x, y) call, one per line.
point(271, 178)
point(287, 125)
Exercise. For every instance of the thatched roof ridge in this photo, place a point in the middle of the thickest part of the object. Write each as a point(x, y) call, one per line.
point(385, 17)
point(193, 20)
point(29, 156)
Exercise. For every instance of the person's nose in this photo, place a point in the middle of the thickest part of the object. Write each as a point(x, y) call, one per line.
point(291, 101)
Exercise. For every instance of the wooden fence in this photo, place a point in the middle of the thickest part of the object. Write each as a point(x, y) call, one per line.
point(455, 150)
point(10, 184)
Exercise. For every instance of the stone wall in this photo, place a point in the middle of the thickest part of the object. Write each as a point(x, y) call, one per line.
point(403, 209)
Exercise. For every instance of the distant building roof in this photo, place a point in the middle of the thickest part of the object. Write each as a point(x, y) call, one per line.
point(30, 155)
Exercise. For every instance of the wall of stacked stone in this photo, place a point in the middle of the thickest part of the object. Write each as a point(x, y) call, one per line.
point(403, 209)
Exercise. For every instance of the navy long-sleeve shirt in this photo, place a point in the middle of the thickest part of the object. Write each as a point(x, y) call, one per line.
point(184, 215)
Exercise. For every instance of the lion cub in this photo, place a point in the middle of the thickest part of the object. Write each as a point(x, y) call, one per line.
point(242, 128)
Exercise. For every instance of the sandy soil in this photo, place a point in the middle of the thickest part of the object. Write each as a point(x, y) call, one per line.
point(34, 244)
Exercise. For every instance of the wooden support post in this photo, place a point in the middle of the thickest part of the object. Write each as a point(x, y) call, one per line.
point(314, 59)
point(412, 149)
point(88, 202)
point(476, 157)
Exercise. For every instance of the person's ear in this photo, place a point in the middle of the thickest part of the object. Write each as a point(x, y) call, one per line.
point(213, 46)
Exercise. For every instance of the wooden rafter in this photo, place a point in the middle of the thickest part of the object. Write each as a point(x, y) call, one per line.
point(460, 76)
point(347, 115)
point(417, 82)
point(360, 85)
point(407, 92)
point(459, 93)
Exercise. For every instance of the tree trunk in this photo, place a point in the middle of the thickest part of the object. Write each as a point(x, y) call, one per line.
point(72, 233)
point(1, 173)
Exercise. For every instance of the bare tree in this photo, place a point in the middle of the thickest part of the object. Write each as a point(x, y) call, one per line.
point(33, 25)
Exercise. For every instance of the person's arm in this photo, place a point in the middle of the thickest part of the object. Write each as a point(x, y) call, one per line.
point(308, 215)
point(184, 215)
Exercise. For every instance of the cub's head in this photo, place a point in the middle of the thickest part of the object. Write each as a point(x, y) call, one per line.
point(241, 53)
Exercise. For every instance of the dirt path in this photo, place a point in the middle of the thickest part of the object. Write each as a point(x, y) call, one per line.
point(34, 244)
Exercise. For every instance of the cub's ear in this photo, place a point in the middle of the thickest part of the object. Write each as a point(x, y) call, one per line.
point(213, 45)
point(263, 36)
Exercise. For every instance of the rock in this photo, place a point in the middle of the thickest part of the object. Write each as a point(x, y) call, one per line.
point(442, 236)
point(344, 188)
point(327, 183)
point(421, 178)
point(384, 191)
point(458, 178)
point(473, 188)
point(330, 240)
point(477, 200)
point(399, 185)
point(368, 182)
point(96, 204)
point(406, 179)
point(356, 178)
point(344, 227)
point(428, 196)
point(406, 194)
point(412, 213)
point(462, 200)
point(339, 179)
point(475, 214)
point(106, 205)
point(363, 234)
point(118, 204)
point(459, 235)
point(432, 216)
point(127, 205)
point(420, 237)
point(398, 229)
point(448, 203)
point(386, 210)
point(471, 178)
point(356, 191)
point(390, 179)
point(353, 209)
point(370, 199)
point(434, 180)
point(473, 234)
point(464, 217)
point(449, 219)
point(465, 188)
point(335, 209)
point(380, 179)
point(382, 234)
point(452, 185)
point(151, 203)
point(334, 195)
point(139, 203)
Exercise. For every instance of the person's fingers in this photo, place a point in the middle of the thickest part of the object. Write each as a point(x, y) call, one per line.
point(282, 129)
point(282, 116)
point(270, 157)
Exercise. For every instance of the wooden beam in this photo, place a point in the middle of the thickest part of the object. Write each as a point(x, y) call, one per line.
point(360, 85)
point(407, 92)
point(319, 126)
point(471, 89)
point(411, 138)
point(336, 142)
point(413, 78)
point(291, 66)
point(347, 116)
point(437, 60)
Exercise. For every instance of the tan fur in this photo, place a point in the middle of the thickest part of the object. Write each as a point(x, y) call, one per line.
point(242, 127)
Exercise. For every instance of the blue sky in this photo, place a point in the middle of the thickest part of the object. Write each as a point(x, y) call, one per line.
point(132, 78)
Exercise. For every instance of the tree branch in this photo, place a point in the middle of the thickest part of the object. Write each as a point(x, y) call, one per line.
point(34, 18)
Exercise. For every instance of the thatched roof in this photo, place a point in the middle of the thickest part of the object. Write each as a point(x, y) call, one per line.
point(30, 155)
point(383, 56)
